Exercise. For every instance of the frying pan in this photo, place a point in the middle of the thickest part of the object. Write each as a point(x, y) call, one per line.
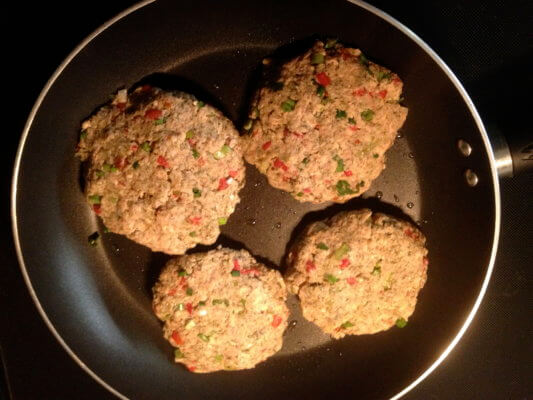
point(96, 301)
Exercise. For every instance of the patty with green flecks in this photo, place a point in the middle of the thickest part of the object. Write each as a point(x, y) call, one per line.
point(358, 273)
point(164, 168)
point(222, 310)
point(320, 132)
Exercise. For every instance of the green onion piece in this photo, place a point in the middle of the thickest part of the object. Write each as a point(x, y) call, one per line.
point(222, 221)
point(93, 239)
point(400, 323)
point(320, 91)
point(367, 115)
point(160, 121)
point(200, 104)
point(114, 169)
point(340, 114)
point(223, 152)
point(288, 105)
point(196, 192)
point(99, 173)
point(146, 147)
point(248, 124)
point(83, 134)
point(346, 325)
point(363, 60)
point(220, 301)
point(300, 194)
point(189, 134)
point(340, 164)
point(331, 278)
point(106, 167)
point(201, 303)
point(192, 234)
point(322, 246)
point(375, 155)
point(317, 58)
point(341, 251)
point(376, 270)
point(189, 292)
point(351, 120)
point(182, 272)
point(178, 354)
point(203, 337)
point(136, 165)
point(181, 307)
point(305, 161)
point(383, 75)
point(95, 199)
point(226, 149)
point(219, 357)
point(343, 188)
point(235, 273)
point(195, 153)
point(330, 43)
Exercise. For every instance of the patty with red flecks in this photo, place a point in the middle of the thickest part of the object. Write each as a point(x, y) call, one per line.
point(222, 310)
point(320, 132)
point(358, 273)
point(164, 168)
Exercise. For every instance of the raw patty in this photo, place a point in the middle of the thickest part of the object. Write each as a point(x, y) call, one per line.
point(321, 131)
point(164, 168)
point(222, 310)
point(358, 273)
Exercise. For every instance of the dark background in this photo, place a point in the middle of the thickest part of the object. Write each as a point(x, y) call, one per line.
point(488, 44)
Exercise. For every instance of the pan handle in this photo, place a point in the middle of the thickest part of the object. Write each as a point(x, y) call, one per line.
point(514, 155)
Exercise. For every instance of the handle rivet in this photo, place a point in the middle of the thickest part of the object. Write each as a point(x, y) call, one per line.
point(471, 177)
point(464, 147)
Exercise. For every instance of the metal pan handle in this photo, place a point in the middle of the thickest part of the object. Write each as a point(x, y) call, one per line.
point(514, 155)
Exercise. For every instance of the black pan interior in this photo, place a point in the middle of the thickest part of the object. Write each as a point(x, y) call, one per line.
point(98, 299)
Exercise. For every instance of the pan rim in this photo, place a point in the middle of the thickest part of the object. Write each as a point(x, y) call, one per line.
point(379, 13)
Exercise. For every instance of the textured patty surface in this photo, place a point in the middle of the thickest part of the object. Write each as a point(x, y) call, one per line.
point(358, 273)
point(322, 129)
point(222, 310)
point(164, 169)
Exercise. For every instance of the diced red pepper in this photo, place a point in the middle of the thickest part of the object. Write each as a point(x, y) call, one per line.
point(222, 184)
point(153, 114)
point(191, 142)
point(188, 307)
point(323, 79)
point(236, 265)
point(121, 106)
point(280, 164)
point(191, 368)
point(134, 147)
point(163, 162)
point(233, 174)
point(120, 162)
point(307, 190)
point(354, 128)
point(344, 263)
point(309, 266)
point(276, 321)
point(194, 220)
point(357, 141)
point(176, 338)
point(266, 145)
point(348, 173)
point(410, 233)
point(183, 281)
point(172, 292)
point(382, 94)
point(396, 80)
point(351, 280)
point(360, 92)
point(250, 271)
point(97, 208)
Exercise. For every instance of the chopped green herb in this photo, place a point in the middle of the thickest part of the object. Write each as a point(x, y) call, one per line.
point(189, 292)
point(99, 173)
point(203, 337)
point(181, 307)
point(346, 325)
point(196, 192)
point(400, 323)
point(136, 165)
point(182, 272)
point(248, 124)
point(189, 134)
point(223, 152)
point(200, 104)
point(351, 120)
point(376, 270)
point(201, 303)
point(219, 357)
point(383, 75)
point(330, 43)
point(222, 221)
point(235, 273)
point(340, 114)
point(95, 199)
point(305, 161)
point(160, 121)
point(340, 164)
point(331, 278)
point(178, 353)
point(363, 60)
point(343, 188)
point(322, 246)
point(375, 155)
point(146, 147)
point(195, 153)
point(288, 105)
point(300, 194)
point(317, 58)
point(93, 239)
point(367, 115)
point(341, 251)
point(83, 134)
point(320, 91)
point(114, 169)
point(106, 167)
point(220, 301)
point(192, 234)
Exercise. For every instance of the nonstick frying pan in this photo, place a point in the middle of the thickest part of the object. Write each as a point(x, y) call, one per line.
point(441, 173)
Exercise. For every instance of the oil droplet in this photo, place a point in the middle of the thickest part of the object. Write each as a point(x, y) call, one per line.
point(328, 349)
point(379, 194)
point(340, 354)
point(304, 348)
point(396, 199)
point(256, 184)
point(410, 204)
point(251, 221)
point(411, 155)
point(399, 135)
point(278, 225)
point(293, 323)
